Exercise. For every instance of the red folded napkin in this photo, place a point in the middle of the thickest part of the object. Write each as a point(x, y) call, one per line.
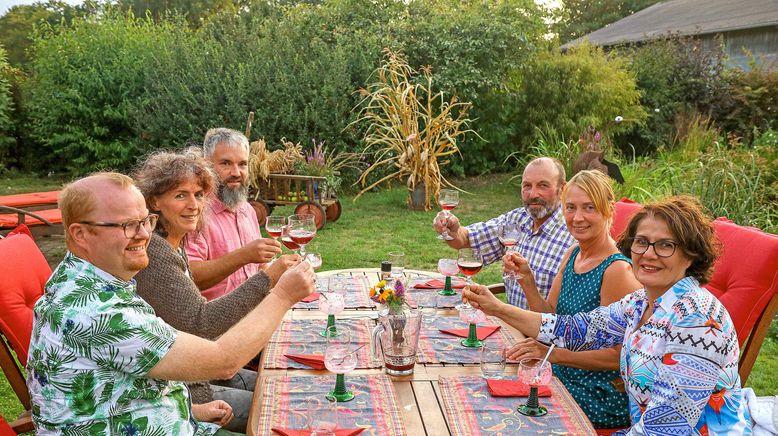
point(338, 432)
point(481, 332)
point(440, 284)
point(313, 297)
point(514, 388)
point(312, 360)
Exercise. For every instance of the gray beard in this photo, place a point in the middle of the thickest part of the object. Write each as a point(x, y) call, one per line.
point(233, 197)
point(544, 211)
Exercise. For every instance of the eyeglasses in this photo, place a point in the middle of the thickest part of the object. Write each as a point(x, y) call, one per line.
point(662, 247)
point(132, 227)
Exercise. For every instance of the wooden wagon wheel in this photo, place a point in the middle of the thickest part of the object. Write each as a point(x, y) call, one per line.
point(333, 211)
point(262, 210)
point(315, 209)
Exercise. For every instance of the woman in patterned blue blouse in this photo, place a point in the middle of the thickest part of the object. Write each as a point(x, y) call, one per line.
point(593, 273)
point(679, 356)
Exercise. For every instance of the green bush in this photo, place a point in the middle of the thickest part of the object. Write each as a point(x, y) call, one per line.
point(750, 104)
point(7, 139)
point(86, 80)
point(567, 92)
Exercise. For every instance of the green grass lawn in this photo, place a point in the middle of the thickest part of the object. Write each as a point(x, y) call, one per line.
point(379, 223)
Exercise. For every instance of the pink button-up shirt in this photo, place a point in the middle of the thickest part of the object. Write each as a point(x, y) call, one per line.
point(225, 231)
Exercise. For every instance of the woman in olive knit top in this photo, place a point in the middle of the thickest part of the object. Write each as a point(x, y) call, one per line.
point(176, 186)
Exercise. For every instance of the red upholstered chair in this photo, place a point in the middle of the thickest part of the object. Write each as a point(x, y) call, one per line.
point(745, 279)
point(36, 209)
point(23, 274)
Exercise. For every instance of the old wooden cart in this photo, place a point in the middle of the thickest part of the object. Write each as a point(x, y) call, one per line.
point(307, 192)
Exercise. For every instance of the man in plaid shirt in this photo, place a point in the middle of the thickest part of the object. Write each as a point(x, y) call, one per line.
point(544, 237)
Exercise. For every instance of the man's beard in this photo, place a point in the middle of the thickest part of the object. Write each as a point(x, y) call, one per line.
point(233, 197)
point(545, 208)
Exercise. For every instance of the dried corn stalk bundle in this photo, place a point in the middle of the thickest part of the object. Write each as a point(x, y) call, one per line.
point(263, 162)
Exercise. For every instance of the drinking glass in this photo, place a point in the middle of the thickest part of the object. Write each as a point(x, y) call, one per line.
point(449, 268)
point(322, 416)
point(427, 302)
point(287, 240)
point(340, 358)
point(448, 200)
point(534, 372)
point(492, 360)
point(332, 302)
point(302, 229)
point(274, 225)
point(509, 235)
point(397, 259)
point(314, 259)
point(469, 263)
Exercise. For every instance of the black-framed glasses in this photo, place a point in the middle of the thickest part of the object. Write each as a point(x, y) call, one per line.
point(662, 247)
point(131, 228)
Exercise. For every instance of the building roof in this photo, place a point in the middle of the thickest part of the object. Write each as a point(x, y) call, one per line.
point(686, 17)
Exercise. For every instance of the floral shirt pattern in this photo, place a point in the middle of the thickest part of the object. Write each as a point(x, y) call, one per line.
point(543, 249)
point(93, 343)
point(680, 367)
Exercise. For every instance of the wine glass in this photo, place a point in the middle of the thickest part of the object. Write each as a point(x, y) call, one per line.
point(340, 358)
point(274, 225)
point(534, 372)
point(287, 240)
point(322, 416)
point(314, 259)
point(302, 229)
point(332, 302)
point(448, 199)
point(449, 268)
point(509, 235)
point(470, 263)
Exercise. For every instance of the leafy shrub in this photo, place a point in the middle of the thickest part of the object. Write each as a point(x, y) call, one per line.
point(6, 109)
point(568, 92)
point(750, 103)
point(86, 80)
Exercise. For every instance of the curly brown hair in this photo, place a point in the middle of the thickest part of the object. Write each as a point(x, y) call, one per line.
point(691, 228)
point(164, 170)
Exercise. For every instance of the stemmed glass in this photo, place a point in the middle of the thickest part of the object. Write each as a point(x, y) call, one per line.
point(470, 263)
point(287, 240)
point(448, 199)
point(322, 416)
point(332, 303)
point(534, 372)
point(302, 229)
point(274, 225)
point(509, 235)
point(449, 268)
point(340, 358)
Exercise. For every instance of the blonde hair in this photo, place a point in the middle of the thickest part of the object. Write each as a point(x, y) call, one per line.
point(77, 199)
point(598, 187)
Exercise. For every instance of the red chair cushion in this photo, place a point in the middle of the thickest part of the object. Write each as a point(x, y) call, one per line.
point(745, 277)
point(12, 220)
point(23, 274)
point(5, 428)
point(31, 199)
point(625, 210)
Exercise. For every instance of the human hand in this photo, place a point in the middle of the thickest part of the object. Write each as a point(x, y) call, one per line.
point(516, 265)
point(481, 298)
point(446, 221)
point(261, 250)
point(296, 283)
point(528, 348)
point(216, 411)
point(277, 267)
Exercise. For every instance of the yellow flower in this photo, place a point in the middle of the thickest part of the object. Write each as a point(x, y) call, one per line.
point(381, 284)
point(384, 295)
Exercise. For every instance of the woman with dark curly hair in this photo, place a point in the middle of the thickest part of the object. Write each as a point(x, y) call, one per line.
point(176, 186)
point(679, 356)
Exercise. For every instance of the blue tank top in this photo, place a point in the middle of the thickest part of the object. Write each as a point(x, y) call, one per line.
point(592, 390)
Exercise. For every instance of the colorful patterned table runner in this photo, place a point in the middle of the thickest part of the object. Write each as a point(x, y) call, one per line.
point(374, 406)
point(471, 411)
point(356, 296)
point(437, 347)
point(302, 337)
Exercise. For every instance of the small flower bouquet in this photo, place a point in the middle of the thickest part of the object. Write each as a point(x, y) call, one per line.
point(390, 293)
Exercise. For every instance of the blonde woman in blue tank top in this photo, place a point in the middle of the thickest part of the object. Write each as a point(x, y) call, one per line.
point(593, 273)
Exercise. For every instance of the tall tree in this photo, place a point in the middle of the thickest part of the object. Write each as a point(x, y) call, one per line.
point(577, 18)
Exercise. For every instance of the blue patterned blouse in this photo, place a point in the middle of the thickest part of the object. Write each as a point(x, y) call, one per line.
point(680, 367)
point(543, 249)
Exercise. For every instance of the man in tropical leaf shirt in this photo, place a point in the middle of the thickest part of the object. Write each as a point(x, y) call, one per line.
point(101, 361)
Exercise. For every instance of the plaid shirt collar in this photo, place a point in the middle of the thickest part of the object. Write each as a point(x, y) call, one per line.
point(550, 226)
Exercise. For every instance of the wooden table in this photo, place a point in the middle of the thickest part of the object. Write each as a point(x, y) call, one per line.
point(419, 397)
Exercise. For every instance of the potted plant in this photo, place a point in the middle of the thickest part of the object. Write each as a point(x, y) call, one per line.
point(410, 128)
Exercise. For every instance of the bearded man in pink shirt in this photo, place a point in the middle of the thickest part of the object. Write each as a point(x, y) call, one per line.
point(229, 249)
